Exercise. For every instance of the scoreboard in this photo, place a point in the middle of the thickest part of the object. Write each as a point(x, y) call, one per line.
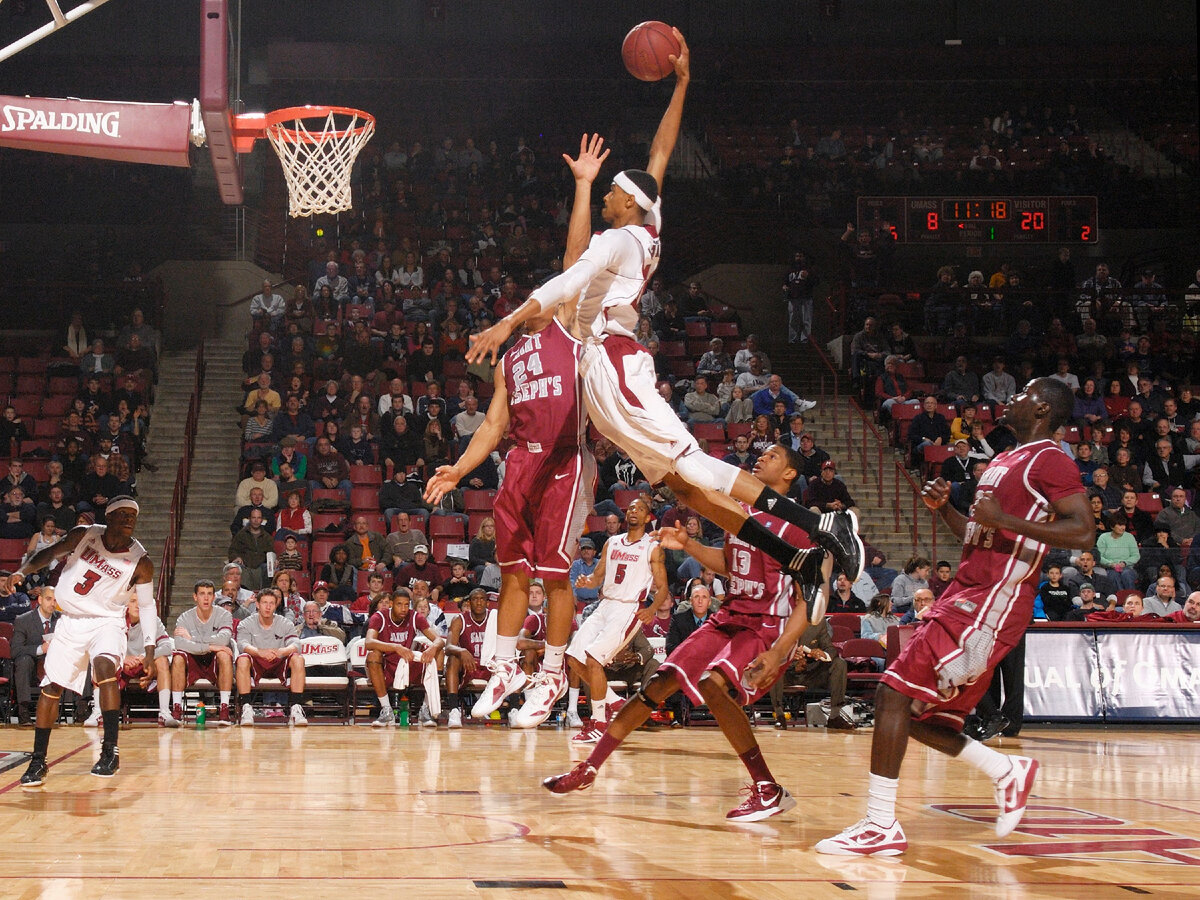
point(982, 220)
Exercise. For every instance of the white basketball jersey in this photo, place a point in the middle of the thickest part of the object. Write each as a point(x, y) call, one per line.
point(95, 582)
point(627, 574)
point(625, 258)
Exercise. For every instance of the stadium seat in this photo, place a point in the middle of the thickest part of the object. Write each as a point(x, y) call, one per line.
point(478, 500)
point(56, 405)
point(363, 476)
point(673, 349)
point(1150, 502)
point(709, 431)
point(327, 494)
point(322, 520)
point(734, 429)
point(364, 499)
point(724, 330)
point(851, 621)
point(623, 497)
point(696, 329)
point(475, 520)
point(446, 527)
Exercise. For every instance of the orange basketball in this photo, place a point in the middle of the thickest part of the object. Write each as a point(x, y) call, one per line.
point(646, 48)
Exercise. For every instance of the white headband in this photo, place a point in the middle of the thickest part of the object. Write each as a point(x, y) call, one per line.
point(653, 208)
point(123, 503)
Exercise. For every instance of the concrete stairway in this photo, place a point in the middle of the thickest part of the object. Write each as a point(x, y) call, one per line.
point(205, 538)
point(176, 377)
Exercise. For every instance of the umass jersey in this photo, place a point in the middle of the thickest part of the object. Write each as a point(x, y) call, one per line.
point(541, 372)
point(757, 583)
point(998, 575)
point(403, 632)
point(471, 638)
point(95, 580)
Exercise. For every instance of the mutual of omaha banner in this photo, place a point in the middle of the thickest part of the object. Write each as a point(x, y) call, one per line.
point(1062, 675)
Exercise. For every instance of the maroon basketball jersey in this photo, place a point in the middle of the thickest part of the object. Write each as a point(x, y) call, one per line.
point(541, 372)
point(999, 570)
point(471, 638)
point(535, 626)
point(402, 632)
point(757, 583)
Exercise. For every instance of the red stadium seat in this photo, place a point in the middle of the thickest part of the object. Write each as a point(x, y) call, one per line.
point(683, 368)
point(447, 527)
point(27, 406)
point(724, 330)
point(67, 386)
point(1150, 502)
point(733, 429)
point(364, 499)
point(45, 428)
point(322, 520)
point(673, 349)
point(852, 621)
point(478, 500)
point(698, 329)
point(56, 405)
point(710, 431)
point(441, 546)
point(623, 497)
point(366, 475)
point(594, 523)
point(321, 548)
point(327, 494)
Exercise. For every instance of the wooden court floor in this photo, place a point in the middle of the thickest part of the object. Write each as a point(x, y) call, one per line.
point(342, 812)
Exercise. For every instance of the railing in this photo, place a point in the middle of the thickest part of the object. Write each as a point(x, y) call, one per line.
point(920, 513)
point(183, 474)
point(872, 442)
point(830, 382)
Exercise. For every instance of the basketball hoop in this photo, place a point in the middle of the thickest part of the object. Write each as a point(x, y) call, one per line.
point(317, 146)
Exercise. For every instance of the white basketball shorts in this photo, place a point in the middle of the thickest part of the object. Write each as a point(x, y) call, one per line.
point(605, 632)
point(76, 642)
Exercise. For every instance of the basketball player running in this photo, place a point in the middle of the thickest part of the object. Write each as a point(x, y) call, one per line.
point(631, 567)
point(549, 480)
point(1029, 498)
point(618, 375)
point(102, 563)
point(763, 605)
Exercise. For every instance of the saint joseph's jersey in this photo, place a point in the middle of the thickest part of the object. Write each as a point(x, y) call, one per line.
point(471, 638)
point(998, 575)
point(757, 583)
point(624, 259)
point(541, 373)
point(403, 632)
point(627, 573)
point(95, 581)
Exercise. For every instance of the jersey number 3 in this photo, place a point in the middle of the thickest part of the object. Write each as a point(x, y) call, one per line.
point(90, 580)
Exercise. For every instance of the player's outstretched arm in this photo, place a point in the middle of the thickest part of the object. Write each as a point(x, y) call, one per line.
point(663, 144)
point(47, 555)
point(672, 538)
point(764, 666)
point(585, 168)
point(485, 439)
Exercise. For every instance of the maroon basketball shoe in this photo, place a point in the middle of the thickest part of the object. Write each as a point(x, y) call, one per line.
point(223, 717)
point(1012, 793)
point(615, 707)
point(763, 800)
point(591, 732)
point(177, 713)
point(580, 778)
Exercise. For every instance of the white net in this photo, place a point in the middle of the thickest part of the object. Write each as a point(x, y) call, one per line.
point(317, 148)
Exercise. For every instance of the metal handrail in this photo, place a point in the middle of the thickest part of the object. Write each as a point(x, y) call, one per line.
point(917, 506)
point(833, 376)
point(879, 443)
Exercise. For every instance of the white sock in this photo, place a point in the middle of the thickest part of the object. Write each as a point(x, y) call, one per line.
point(993, 764)
point(881, 799)
point(611, 697)
point(506, 647)
point(164, 702)
point(553, 661)
point(572, 700)
point(600, 710)
point(177, 698)
point(385, 704)
point(225, 696)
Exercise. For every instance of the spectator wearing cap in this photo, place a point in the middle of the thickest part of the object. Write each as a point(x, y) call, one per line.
point(257, 479)
point(828, 493)
point(583, 566)
point(1087, 602)
point(422, 568)
point(813, 456)
point(336, 613)
point(958, 467)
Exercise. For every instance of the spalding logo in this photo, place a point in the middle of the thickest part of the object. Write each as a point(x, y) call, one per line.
point(20, 118)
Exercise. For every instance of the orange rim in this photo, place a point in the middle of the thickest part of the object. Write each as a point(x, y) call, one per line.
point(273, 122)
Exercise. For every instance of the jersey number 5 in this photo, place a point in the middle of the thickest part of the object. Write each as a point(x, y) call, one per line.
point(90, 579)
point(619, 575)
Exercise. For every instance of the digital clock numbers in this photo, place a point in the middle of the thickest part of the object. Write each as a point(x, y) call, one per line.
point(982, 220)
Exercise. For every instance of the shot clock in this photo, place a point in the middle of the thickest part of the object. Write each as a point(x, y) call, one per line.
point(983, 220)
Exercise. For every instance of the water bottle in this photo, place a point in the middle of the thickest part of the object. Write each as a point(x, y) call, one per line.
point(402, 710)
point(201, 716)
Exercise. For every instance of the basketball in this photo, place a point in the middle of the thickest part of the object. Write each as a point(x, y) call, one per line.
point(646, 48)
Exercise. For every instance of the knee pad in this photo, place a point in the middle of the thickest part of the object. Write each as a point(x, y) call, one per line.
point(706, 472)
point(639, 694)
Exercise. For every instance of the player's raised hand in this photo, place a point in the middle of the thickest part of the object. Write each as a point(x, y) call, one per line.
point(587, 166)
point(488, 342)
point(671, 538)
point(936, 493)
point(682, 62)
point(444, 480)
point(586, 581)
point(987, 512)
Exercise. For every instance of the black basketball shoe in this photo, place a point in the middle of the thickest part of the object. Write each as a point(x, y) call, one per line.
point(35, 775)
point(838, 533)
point(108, 763)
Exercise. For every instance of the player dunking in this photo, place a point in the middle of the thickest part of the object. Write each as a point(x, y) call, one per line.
point(618, 375)
point(1029, 497)
point(763, 604)
point(631, 568)
point(102, 563)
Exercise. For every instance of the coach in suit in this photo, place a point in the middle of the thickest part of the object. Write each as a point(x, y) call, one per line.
point(30, 641)
point(817, 666)
point(683, 623)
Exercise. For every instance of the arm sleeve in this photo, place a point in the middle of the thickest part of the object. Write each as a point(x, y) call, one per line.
point(147, 608)
point(605, 251)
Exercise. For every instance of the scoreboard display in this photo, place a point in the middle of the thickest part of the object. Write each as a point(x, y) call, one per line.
point(982, 220)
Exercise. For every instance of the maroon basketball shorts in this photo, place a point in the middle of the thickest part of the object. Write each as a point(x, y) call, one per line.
point(726, 643)
point(200, 666)
point(268, 668)
point(542, 507)
point(946, 666)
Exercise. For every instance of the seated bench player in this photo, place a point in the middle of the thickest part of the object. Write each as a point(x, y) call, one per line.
point(390, 636)
point(465, 651)
point(531, 640)
point(204, 649)
point(269, 648)
point(133, 669)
